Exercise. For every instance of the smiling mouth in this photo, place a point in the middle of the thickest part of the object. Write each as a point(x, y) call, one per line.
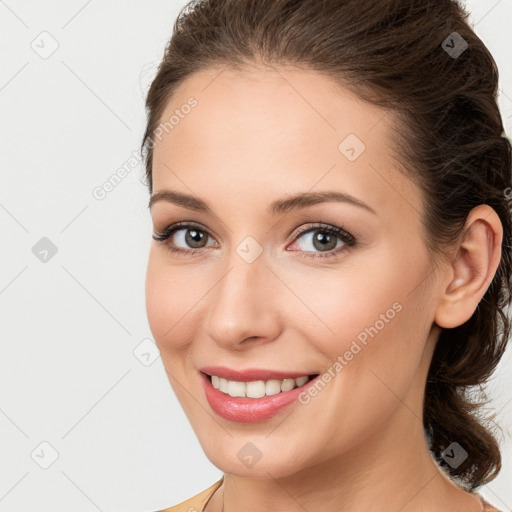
point(258, 388)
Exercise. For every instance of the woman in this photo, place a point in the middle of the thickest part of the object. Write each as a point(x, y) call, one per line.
point(331, 264)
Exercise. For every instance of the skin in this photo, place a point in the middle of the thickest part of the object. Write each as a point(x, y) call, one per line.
point(263, 134)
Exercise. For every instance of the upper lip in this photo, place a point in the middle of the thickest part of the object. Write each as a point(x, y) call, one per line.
point(251, 374)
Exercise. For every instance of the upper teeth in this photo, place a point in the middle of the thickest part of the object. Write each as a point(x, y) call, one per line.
point(258, 388)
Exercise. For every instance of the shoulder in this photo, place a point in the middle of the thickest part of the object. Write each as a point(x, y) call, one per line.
point(197, 502)
point(487, 507)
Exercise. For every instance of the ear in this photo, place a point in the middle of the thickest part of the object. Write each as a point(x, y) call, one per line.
point(473, 267)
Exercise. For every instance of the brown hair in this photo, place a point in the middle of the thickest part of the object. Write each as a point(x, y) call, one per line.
point(399, 55)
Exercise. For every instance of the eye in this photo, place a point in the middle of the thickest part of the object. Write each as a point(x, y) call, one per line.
point(185, 234)
point(324, 238)
point(321, 237)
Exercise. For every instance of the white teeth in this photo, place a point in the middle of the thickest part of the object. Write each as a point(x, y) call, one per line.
point(236, 388)
point(288, 384)
point(258, 388)
point(302, 380)
point(272, 387)
point(223, 385)
point(255, 389)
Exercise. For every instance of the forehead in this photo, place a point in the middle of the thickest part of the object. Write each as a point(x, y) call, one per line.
point(289, 102)
point(263, 129)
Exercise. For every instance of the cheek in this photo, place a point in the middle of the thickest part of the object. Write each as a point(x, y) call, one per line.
point(171, 303)
point(352, 303)
point(373, 346)
point(366, 313)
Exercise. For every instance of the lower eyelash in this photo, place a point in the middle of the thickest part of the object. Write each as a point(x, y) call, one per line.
point(348, 239)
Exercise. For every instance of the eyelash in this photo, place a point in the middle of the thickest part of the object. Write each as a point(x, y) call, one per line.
point(348, 239)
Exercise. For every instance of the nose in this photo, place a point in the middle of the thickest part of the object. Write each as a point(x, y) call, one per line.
point(243, 307)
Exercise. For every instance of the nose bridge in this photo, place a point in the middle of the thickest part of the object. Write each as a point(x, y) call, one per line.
point(241, 305)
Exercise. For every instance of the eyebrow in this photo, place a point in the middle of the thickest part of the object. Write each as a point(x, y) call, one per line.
point(279, 206)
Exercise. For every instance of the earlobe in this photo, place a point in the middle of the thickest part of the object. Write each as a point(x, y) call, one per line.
point(472, 268)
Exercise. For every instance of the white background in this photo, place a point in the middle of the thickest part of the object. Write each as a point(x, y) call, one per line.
point(69, 328)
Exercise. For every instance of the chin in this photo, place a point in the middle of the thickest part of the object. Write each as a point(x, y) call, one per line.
point(253, 457)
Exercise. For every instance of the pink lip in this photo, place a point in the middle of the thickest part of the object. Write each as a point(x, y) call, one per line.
point(249, 410)
point(251, 374)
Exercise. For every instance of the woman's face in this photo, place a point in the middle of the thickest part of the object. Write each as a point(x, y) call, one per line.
point(251, 292)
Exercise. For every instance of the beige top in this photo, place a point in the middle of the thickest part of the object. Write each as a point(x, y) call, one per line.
point(198, 502)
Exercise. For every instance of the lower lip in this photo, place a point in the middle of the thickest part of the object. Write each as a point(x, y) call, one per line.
point(249, 410)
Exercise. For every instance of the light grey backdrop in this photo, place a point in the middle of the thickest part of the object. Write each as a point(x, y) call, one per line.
point(88, 420)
